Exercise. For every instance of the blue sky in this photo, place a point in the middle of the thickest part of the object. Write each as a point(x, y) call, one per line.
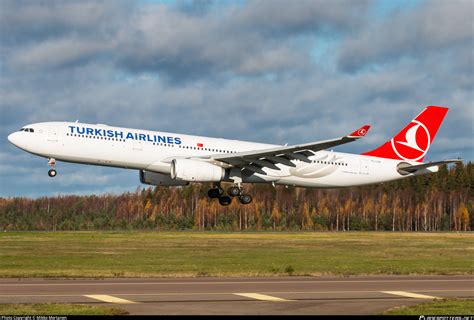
point(268, 71)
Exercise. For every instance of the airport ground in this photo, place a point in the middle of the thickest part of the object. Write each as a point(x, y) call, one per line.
point(249, 295)
point(237, 273)
point(190, 254)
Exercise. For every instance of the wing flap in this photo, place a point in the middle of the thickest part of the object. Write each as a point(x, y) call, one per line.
point(255, 169)
point(282, 160)
point(265, 163)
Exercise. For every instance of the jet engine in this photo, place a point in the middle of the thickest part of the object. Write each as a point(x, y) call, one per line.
point(159, 179)
point(195, 170)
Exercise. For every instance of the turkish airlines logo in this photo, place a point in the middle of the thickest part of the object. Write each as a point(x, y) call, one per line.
point(413, 142)
point(362, 132)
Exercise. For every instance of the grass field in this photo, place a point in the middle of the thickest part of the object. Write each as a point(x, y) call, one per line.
point(438, 307)
point(58, 309)
point(140, 254)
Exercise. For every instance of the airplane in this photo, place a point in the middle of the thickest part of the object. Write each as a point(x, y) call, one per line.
point(171, 159)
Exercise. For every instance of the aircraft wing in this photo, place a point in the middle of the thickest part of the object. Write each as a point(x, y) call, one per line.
point(254, 161)
point(413, 168)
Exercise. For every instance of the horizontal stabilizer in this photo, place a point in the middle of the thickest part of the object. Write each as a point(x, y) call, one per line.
point(406, 168)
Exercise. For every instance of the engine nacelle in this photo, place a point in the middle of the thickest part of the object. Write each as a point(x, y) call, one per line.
point(195, 170)
point(159, 179)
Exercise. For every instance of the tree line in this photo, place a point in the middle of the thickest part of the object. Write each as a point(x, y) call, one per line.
point(436, 202)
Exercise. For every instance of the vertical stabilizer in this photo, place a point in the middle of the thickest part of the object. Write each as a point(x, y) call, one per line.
point(413, 142)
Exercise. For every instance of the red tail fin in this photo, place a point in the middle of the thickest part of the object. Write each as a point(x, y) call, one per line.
point(413, 142)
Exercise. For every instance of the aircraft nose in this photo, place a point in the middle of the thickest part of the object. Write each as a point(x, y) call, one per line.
point(13, 137)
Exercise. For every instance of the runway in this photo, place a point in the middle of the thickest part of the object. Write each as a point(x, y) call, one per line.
point(262, 295)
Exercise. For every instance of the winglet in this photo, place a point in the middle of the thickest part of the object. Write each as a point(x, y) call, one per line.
point(359, 133)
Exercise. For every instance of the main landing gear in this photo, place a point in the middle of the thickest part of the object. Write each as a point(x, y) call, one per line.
point(234, 191)
point(52, 172)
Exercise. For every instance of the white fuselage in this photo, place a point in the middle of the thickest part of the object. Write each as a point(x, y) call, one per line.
point(153, 151)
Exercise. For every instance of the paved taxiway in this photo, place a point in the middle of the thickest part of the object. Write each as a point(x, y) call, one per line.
point(275, 295)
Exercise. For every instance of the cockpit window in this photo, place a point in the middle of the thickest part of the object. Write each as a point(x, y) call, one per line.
point(31, 130)
point(22, 129)
point(27, 129)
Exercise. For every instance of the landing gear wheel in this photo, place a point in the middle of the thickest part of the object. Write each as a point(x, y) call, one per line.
point(52, 173)
point(52, 162)
point(245, 199)
point(225, 200)
point(215, 192)
point(233, 191)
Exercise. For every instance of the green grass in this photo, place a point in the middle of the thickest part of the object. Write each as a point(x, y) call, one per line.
point(140, 254)
point(436, 307)
point(58, 309)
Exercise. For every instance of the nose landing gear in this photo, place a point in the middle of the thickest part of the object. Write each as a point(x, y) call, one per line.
point(52, 172)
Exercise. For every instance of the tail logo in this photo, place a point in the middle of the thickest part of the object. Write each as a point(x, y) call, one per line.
point(362, 132)
point(413, 142)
